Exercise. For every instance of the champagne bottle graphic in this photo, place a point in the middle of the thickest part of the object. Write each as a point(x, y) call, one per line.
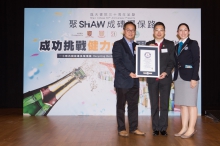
point(40, 101)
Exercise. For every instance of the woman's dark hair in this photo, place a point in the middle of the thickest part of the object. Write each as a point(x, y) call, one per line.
point(183, 24)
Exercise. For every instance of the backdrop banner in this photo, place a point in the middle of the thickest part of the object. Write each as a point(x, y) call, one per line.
point(68, 66)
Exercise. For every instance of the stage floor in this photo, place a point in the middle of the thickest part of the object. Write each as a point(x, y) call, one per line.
point(19, 130)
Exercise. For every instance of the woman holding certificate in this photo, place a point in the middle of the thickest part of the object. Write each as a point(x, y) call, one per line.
point(186, 78)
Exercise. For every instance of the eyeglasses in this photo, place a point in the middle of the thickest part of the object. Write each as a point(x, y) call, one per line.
point(132, 31)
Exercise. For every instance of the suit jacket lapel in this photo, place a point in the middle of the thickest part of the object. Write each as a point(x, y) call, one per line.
point(185, 45)
point(126, 47)
point(163, 44)
point(134, 45)
point(176, 49)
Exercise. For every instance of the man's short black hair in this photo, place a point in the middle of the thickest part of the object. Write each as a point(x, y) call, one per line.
point(159, 23)
point(129, 22)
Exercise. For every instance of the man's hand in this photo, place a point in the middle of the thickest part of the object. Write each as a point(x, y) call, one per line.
point(132, 75)
point(152, 45)
point(163, 75)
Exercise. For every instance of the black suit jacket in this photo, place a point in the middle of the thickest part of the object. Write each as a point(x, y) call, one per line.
point(187, 61)
point(124, 63)
point(167, 60)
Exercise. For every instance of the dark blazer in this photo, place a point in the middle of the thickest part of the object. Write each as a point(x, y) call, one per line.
point(187, 61)
point(167, 60)
point(124, 63)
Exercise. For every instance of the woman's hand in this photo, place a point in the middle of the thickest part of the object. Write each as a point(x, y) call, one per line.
point(193, 83)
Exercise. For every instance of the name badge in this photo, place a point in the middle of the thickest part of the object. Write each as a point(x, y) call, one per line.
point(164, 50)
point(188, 66)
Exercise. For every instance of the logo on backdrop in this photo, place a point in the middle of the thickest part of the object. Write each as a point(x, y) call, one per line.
point(89, 34)
point(113, 33)
point(137, 34)
point(101, 34)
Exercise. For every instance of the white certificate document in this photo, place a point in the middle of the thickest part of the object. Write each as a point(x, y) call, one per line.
point(147, 60)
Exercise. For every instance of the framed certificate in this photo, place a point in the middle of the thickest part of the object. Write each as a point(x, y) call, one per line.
point(147, 61)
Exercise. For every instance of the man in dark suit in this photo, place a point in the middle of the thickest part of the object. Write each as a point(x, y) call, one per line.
point(126, 83)
point(159, 88)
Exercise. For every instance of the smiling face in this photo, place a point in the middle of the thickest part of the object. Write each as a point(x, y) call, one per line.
point(183, 32)
point(159, 32)
point(129, 32)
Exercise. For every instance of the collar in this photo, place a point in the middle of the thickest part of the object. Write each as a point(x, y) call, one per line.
point(159, 42)
point(129, 42)
point(183, 40)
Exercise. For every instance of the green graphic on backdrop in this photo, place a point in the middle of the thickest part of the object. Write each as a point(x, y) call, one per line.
point(40, 101)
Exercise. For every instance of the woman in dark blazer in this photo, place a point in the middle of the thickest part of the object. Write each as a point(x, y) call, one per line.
point(186, 78)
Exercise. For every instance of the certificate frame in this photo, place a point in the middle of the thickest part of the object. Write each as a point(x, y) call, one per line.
point(147, 61)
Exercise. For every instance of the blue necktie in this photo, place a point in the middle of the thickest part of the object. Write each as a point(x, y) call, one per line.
point(131, 48)
point(180, 47)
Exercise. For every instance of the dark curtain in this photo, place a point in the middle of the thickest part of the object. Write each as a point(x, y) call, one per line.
point(12, 41)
